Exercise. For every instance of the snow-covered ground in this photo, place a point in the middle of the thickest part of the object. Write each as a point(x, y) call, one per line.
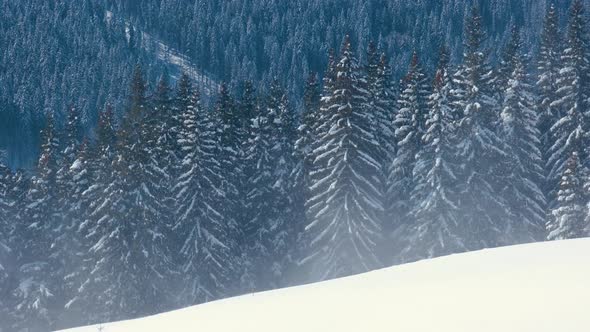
point(535, 287)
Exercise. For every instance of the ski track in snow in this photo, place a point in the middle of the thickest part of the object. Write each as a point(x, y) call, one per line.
point(528, 288)
point(171, 56)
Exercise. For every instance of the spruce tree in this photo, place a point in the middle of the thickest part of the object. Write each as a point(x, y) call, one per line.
point(248, 107)
point(304, 162)
point(6, 253)
point(382, 106)
point(435, 209)
point(144, 200)
point(524, 174)
point(410, 125)
point(345, 204)
point(128, 240)
point(569, 132)
point(228, 128)
point(162, 146)
point(81, 174)
point(262, 196)
point(229, 156)
point(40, 285)
point(508, 59)
point(567, 220)
point(94, 293)
point(384, 110)
point(289, 205)
point(272, 228)
point(67, 243)
point(207, 247)
point(482, 152)
point(548, 66)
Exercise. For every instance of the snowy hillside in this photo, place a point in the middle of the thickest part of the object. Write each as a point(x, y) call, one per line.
point(535, 287)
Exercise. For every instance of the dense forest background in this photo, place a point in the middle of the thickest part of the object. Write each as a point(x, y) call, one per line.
point(62, 53)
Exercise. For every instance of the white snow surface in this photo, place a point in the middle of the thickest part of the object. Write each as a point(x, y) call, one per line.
point(527, 288)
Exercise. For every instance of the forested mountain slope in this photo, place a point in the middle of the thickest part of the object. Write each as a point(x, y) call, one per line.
point(62, 54)
point(58, 54)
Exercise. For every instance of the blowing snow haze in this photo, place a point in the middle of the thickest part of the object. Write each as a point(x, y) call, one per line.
point(161, 154)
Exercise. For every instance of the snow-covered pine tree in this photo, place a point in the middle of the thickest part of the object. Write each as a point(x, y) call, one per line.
point(524, 174)
point(345, 204)
point(548, 66)
point(304, 163)
point(207, 247)
point(82, 183)
point(144, 214)
point(316, 169)
point(409, 125)
point(96, 294)
point(247, 111)
point(229, 156)
point(18, 189)
point(435, 210)
point(567, 220)
point(262, 196)
point(306, 127)
point(39, 282)
point(247, 108)
point(164, 153)
point(67, 244)
point(228, 135)
point(289, 205)
point(570, 131)
point(382, 105)
point(481, 150)
point(6, 253)
point(508, 59)
point(274, 217)
point(384, 111)
point(128, 259)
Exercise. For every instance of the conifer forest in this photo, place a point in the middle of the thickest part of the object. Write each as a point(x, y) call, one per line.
point(189, 186)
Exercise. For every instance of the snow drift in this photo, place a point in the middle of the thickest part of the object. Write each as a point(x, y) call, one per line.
point(534, 287)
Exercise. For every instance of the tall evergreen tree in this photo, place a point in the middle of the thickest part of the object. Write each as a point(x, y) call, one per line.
point(548, 66)
point(129, 257)
point(6, 253)
point(144, 212)
point(274, 222)
point(303, 155)
point(435, 209)
point(567, 220)
point(290, 205)
point(305, 130)
point(410, 125)
point(509, 59)
point(262, 196)
point(66, 242)
point(384, 110)
point(98, 228)
point(483, 209)
point(39, 283)
point(229, 137)
point(164, 153)
point(570, 130)
point(207, 248)
point(382, 106)
point(81, 184)
point(524, 174)
point(345, 204)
